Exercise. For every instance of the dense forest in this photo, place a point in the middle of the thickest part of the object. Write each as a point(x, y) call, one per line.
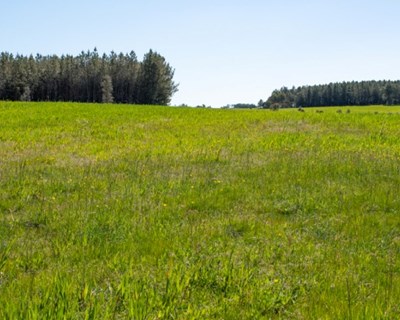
point(87, 77)
point(336, 94)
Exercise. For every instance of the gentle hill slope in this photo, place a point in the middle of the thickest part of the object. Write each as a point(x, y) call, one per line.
point(145, 212)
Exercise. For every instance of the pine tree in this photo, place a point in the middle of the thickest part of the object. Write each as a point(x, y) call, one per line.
point(26, 95)
point(156, 84)
point(107, 89)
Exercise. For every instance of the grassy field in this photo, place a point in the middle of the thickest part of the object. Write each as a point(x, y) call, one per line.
point(145, 212)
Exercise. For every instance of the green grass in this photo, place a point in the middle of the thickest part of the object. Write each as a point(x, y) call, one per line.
point(146, 212)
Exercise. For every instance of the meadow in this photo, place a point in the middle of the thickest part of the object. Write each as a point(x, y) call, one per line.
point(147, 212)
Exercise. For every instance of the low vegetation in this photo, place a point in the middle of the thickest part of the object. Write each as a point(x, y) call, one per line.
point(145, 212)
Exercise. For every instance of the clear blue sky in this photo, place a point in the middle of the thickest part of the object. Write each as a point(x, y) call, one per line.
point(223, 51)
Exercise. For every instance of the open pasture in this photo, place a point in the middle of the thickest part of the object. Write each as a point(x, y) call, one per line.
point(146, 212)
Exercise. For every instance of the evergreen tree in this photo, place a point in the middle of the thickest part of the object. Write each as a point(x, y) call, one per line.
point(87, 77)
point(26, 95)
point(107, 89)
point(337, 94)
point(156, 84)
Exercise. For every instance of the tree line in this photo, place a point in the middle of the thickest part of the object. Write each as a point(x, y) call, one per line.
point(87, 77)
point(336, 94)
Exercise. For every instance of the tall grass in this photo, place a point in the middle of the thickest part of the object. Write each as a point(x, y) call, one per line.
point(145, 212)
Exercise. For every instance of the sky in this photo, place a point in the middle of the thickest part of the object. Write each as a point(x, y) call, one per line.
point(223, 51)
